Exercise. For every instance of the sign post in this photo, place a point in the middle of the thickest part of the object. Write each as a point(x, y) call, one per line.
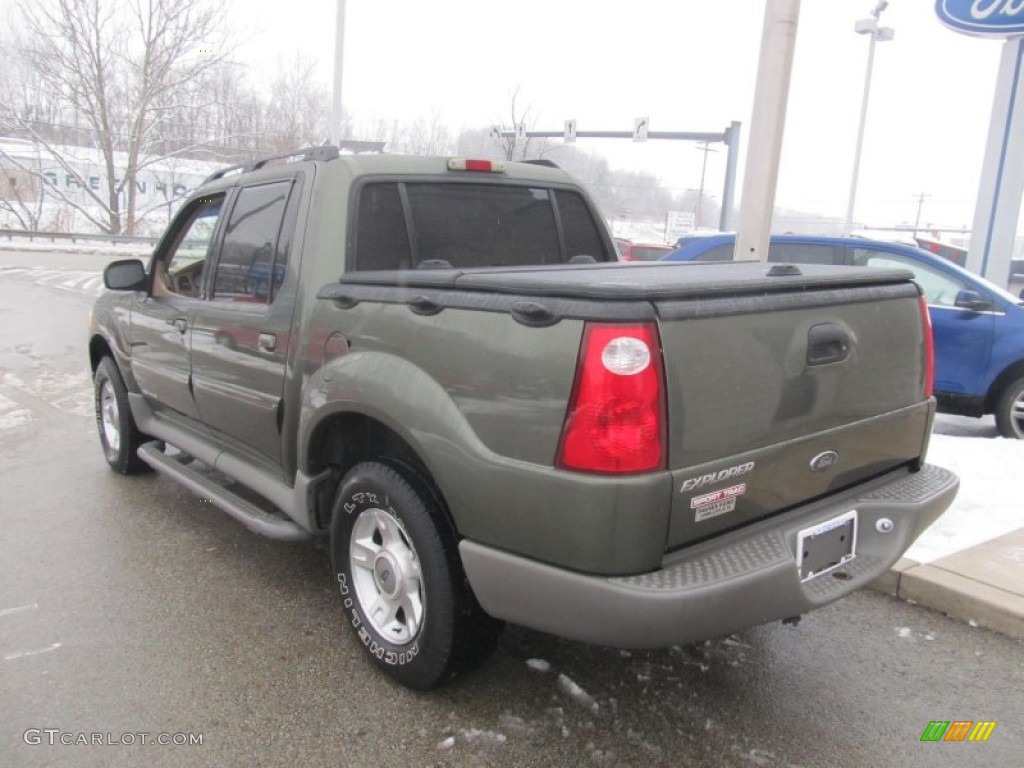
point(1002, 174)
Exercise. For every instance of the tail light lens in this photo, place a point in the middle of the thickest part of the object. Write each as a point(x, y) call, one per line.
point(616, 420)
point(929, 348)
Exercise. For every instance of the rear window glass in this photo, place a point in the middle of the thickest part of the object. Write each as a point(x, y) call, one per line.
point(483, 225)
point(466, 225)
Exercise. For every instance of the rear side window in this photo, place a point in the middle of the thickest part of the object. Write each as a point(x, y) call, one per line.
point(403, 225)
point(250, 268)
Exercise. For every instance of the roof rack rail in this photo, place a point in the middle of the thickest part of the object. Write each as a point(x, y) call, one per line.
point(325, 152)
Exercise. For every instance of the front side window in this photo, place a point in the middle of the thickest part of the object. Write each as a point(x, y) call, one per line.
point(940, 289)
point(250, 267)
point(181, 271)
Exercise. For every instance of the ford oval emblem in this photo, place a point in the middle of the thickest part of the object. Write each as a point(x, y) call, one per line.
point(824, 460)
point(996, 18)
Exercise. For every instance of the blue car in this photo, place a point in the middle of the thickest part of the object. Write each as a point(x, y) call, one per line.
point(978, 327)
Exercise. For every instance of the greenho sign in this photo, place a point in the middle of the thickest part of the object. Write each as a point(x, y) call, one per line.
point(988, 18)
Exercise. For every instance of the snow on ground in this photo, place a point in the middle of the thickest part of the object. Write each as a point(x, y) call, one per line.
point(991, 498)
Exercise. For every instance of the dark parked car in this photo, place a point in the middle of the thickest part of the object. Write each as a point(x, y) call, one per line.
point(978, 327)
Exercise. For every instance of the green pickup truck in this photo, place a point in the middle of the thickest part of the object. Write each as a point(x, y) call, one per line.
point(440, 365)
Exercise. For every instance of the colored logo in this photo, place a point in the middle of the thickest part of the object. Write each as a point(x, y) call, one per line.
point(995, 18)
point(958, 730)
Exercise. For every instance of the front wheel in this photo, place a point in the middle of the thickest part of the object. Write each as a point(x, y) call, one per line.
point(1010, 410)
point(119, 435)
point(401, 581)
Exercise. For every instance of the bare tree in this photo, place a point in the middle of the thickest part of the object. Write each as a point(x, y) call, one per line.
point(126, 68)
point(513, 147)
point(297, 113)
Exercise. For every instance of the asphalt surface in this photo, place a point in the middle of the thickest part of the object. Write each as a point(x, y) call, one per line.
point(128, 606)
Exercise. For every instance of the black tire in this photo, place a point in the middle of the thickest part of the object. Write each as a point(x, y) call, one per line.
point(1010, 410)
point(119, 435)
point(408, 603)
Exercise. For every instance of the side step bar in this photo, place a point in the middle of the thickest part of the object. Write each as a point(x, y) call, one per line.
point(252, 517)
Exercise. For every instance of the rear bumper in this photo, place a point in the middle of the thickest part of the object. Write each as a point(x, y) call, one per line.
point(733, 582)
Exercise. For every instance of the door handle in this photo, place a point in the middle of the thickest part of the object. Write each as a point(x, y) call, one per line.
point(180, 324)
point(267, 342)
point(827, 343)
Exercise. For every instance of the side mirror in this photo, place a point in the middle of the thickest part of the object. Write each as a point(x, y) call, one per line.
point(125, 275)
point(973, 301)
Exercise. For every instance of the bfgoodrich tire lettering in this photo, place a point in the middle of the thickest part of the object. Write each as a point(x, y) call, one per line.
point(119, 436)
point(1010, 410)
point(400, 579)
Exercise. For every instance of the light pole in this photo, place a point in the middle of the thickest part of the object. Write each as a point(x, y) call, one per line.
point(705, 148)
point(878, 34)
point(339, 48)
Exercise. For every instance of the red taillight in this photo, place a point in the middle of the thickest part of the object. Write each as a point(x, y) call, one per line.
point(929, 348)
point(616, 419)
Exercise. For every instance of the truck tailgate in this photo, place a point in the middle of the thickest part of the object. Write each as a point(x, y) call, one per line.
point(777, 399)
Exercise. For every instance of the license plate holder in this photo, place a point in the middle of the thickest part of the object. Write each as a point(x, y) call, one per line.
point(826, 546)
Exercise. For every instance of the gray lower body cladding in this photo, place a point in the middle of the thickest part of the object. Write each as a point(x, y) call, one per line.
point(738, 580)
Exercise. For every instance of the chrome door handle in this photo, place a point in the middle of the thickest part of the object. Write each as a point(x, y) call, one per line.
point(267, 342)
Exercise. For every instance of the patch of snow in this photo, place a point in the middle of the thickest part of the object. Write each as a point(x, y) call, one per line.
point(14, 419)
point(577, 694)
point(972, 622)
point(988, 503)
point(485, 738)
point(538, 665)
point(447, 743)
point(904, 631)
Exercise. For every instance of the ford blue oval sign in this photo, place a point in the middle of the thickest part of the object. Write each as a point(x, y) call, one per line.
point(991, 18)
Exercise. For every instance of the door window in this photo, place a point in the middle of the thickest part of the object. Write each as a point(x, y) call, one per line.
point(250, 266)
point(940, 289)
point(181, 272)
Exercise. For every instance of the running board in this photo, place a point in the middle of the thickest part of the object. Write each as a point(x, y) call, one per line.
point(252, 517)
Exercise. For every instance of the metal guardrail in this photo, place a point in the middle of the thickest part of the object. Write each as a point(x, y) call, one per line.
point(75, 237)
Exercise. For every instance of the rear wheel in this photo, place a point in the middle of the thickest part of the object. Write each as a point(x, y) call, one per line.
point(402, 586)
point(1010, 410)
point(119, 436)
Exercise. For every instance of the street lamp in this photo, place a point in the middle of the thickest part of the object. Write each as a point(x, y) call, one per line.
point(878, 34)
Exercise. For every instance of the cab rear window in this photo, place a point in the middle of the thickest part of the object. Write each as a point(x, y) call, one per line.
point(409, 225)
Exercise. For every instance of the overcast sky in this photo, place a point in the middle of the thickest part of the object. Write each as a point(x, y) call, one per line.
point(688, 66)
